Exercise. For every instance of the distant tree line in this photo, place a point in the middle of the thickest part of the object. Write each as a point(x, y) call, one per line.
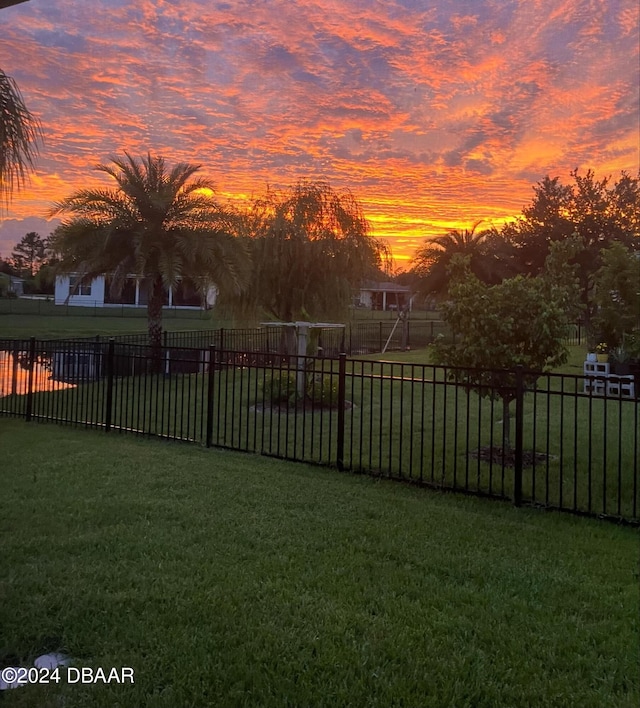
point(33, 261)
point(601, 217)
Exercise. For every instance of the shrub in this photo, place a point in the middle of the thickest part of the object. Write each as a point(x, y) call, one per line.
point(278, 386)
point(322, 389)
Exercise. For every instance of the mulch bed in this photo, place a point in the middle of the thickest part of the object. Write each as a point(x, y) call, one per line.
point(508, 457)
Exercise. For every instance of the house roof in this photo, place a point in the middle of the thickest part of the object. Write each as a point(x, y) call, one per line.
point(385, 287)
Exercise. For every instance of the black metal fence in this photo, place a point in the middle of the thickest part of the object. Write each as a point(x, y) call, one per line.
point(354, 339)
point(558, 444)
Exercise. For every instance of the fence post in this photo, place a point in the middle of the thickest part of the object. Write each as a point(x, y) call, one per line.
point(97, 350)
point(342, 386)
point(210, 393)
point(14, 368)
point(167, 364)
point(32, 361)
point(109, 402)
point(517, 470)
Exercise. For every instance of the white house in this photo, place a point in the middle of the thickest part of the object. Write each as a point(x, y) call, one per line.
point(134, 294)
point(385, 296)
point(86, 295)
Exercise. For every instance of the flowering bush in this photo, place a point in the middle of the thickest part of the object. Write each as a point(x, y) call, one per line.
point(322, 389)
point(278, 386)
point(602, 348)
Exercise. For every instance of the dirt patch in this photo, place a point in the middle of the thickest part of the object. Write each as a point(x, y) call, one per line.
point(498, 456)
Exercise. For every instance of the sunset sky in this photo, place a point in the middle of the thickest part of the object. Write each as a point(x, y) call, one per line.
point(435, 113)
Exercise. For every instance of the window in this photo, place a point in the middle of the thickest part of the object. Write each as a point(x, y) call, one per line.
point(83, 289)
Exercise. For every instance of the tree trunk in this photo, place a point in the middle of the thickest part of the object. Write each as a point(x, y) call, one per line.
point(154, 323)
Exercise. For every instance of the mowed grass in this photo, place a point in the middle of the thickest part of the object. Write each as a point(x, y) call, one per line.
point(23, 318)
point(225, 579)
point(38, 318)
point(574, 364)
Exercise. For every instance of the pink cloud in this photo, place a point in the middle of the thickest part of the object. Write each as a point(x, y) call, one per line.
point(433, 117)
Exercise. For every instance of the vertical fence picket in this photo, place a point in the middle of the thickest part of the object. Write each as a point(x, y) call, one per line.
point(210, 393)
point(108, 414)
point(517, 469)
point(342, 387)
point(32, 363)
point(14, 369)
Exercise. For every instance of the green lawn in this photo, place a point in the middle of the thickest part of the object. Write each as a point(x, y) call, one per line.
point(574, 364)
point(38, 318)
point(225, 579)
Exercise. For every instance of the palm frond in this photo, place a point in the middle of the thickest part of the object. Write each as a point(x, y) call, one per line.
point(20, 133)
point(159, 224)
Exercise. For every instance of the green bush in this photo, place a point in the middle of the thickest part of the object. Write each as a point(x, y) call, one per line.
point(278, 387)
point(322, 389)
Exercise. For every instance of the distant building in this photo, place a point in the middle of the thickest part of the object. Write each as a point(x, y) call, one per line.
point(385, 296)
point(133, 294)
point(16, 285)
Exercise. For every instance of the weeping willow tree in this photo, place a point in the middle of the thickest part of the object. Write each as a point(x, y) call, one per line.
point(20, 132)
point(311, 246)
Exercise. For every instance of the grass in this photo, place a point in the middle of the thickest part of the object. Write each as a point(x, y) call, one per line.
point(38, 318)
point(22, 318)
point(233, 580)
point(20, 327)
point(573, 365)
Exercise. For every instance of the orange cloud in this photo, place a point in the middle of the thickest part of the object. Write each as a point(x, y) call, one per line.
point(434, 118)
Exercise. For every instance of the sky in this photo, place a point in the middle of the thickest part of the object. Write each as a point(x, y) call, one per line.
point(434, 113)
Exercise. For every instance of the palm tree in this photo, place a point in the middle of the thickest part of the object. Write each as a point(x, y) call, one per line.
point(158, 224)
point(486, 250)
point(19, 135)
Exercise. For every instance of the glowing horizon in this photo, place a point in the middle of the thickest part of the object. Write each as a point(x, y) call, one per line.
point(434, 114)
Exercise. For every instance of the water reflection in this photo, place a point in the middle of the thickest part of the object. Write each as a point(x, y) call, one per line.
point(14, 374)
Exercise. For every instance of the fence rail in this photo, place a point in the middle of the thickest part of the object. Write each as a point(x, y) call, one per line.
point(356, 338)
point(554, 445)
